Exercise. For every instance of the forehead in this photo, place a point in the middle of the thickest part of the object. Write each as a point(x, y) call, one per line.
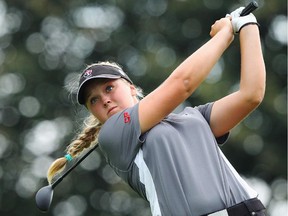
point(94, 83)
point(99, 81)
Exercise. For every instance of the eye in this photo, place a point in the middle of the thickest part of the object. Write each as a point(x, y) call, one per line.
point(109, 88)
point(94, 100)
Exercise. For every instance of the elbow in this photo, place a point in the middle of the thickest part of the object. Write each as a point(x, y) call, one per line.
point(259, 93)
point(184, 86)
point(255, 98)
point(253, 92)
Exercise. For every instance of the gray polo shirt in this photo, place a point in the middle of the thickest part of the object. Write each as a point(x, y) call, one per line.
point(177, 165)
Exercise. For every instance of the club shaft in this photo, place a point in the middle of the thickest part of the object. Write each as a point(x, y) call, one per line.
point(249, 8)
point(72, 167)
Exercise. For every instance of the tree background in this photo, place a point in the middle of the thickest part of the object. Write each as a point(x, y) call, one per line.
point(45, 43)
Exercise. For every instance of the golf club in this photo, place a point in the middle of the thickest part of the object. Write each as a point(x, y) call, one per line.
point(44, 196)
point(249, 8)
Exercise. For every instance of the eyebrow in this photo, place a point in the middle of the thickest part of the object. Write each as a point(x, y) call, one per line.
point(104, 81)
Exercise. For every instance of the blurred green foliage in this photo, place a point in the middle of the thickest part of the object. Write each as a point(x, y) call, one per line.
point(45, 43)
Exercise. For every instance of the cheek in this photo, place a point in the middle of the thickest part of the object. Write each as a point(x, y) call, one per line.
point(96, 111)
point(100, 116)
point(125, 98)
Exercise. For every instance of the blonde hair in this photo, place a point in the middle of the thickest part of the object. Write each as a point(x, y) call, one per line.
point(87, 138)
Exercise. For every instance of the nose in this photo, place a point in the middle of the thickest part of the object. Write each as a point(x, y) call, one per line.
point(106, 101)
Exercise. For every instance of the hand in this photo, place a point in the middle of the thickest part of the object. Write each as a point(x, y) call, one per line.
point(238, 22)
point(220, 25)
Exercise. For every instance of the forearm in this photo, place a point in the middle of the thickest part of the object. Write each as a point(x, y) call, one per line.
point(186, 77)
point(197, 66)
point(252, 83)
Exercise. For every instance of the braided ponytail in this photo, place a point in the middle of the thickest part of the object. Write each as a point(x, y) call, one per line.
point(85, 140)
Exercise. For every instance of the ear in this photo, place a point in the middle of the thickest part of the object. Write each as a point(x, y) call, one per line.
point(133, 90)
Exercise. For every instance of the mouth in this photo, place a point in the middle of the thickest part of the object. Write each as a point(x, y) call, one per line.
point(111, 110)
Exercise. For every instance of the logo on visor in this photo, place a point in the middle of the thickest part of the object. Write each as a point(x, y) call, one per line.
point(87, 73)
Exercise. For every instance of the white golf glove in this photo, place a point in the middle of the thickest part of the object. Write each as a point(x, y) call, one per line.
point(239, 22)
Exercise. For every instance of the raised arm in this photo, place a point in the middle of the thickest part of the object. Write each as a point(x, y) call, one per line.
point(232, 109)
point(185, 78)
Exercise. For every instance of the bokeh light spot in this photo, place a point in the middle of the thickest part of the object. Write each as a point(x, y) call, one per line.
point(253, 144)
point(29, 106)
point(278, 29)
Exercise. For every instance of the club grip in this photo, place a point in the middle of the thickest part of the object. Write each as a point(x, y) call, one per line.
point(249, 8)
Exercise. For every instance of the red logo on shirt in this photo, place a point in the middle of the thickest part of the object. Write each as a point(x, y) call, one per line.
point(126, 117)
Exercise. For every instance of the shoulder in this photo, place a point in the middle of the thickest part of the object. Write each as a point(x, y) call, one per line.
point(205, 110)
point(121, 120)
point(119, 138)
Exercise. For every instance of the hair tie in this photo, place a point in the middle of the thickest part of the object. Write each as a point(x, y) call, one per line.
point(68, 157)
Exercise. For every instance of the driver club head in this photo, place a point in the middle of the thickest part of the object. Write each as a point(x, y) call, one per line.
point(44, 198)
point(45, 194)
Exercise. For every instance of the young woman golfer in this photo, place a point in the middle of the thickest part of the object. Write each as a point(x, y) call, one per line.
point(173, 160)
